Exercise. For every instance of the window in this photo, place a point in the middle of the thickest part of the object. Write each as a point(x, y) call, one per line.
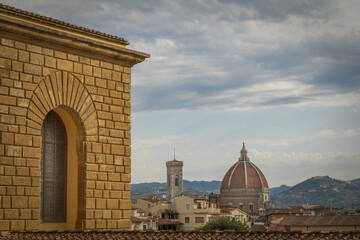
point(241, 206)
point(199, 220)
point(187, 220)
point(188, 206)
point(176, 180)
point(251, 207)
point(53, 169)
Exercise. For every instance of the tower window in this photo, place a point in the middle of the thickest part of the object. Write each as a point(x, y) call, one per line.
point(241, 206)
point(176, 180)
point(53, 169)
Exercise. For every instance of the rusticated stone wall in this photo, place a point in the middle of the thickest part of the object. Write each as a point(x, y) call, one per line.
point(38, 76)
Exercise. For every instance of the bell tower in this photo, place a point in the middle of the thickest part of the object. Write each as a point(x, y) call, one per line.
point(174, 178)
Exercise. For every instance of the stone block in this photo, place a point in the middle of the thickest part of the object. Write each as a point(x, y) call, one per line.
point(4, 225)
point(7, 138)
point(17, 225)
point(89, 214)
point(96, 147)
point(17, 66)
point(10, 170)
point(6, 202)
point(35, 181)
point(125, 204)
point(19, 202)
point(114, 176)
point(48, 52)
point(59, 54)
point(102, 176)
point(34, 202)
point(31, 152)
point(13, 151)
point(98, 193)
point(7, 42)
point(11, 213)
point(99, 82)
point(98, 214)
point(5, 63)
point(100, 185)
point(117, 185)
point(117, 149)
point(25, 213)
point(125, 177)
point(32, 191)
point(116, 214)
point(100, 224)
point(7, 100)
point(115, 194)
point(23, 140)
point(100, 203)
point(32, 69)
point(65, 65)
point(111, 224)
point(96, 72)
point(20, 191)
point(112, 204)
point(124, 224)
point(89, 224)
point(8, 52)
point(105, 73)
point(90, 203)
point(50, 62)
point(33, 48)
point(24, 56)
point(31, 225)
point(37, 59)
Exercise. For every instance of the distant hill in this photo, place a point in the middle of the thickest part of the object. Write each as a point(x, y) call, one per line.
point(277, 190)
point(321, 190)
point(315, 191)
point(355, 180)
point(191, 188)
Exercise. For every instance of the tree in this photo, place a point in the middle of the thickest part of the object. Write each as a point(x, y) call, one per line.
point(225, 223)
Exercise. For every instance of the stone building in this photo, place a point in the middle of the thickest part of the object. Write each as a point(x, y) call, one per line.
point(174, 178)
point(244, 186)
point(65, 140)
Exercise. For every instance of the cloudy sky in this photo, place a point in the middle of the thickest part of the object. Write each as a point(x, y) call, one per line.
point(283, 75)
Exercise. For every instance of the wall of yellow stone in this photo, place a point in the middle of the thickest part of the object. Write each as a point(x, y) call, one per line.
point(37, 77)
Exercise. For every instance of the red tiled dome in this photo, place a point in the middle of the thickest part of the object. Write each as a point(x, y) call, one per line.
point(244, 174)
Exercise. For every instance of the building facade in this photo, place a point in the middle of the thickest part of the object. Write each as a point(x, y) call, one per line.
point(65, 145)
point(174, 178)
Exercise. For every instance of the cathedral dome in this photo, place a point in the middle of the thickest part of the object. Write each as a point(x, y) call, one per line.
point(244, 174)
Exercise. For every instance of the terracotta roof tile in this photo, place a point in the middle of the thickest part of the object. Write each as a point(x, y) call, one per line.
point(155, 235)
point(53, 21)
point(321, 221)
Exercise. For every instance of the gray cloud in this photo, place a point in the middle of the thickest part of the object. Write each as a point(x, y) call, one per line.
point(202, 51)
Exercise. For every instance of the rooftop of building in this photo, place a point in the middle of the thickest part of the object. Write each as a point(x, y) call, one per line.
point(155, 235)
point(353, 220)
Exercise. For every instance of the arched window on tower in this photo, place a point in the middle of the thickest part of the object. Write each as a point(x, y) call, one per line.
point(241, 206)
point(53, 169)
point(177, 180)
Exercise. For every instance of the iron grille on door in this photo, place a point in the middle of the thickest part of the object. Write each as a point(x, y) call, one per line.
point(53, 169)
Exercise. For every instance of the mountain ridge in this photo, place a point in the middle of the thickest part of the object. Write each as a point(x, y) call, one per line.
point(318, 190)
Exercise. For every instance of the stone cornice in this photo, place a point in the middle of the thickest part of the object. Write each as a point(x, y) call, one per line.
point(85, 42)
